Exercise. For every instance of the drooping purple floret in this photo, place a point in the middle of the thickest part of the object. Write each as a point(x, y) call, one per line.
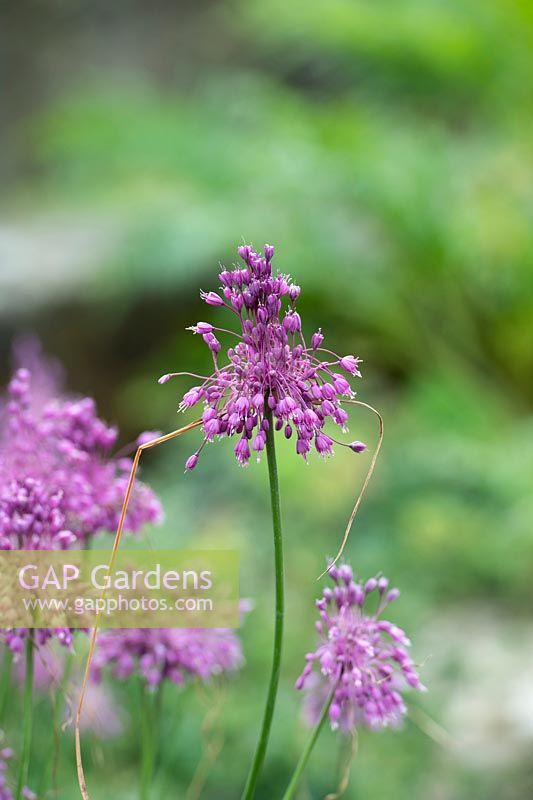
point(271, 371)
point(362, 658)
point(173, 654)
point(15, 638)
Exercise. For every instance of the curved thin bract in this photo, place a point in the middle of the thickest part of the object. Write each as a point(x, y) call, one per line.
point(212, 743)
point(364, 486)
point(347, 768)
point(167, 437)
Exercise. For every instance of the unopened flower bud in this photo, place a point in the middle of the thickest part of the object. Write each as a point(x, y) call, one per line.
point(357, 447)
point(212, 298)
point(294, 292)
point(317, 339)
point(269, 252)
point(191, 462)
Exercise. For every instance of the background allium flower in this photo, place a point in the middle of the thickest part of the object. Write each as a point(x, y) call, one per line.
point(174, 653)
point(102, 716)
point(48, 669)
point(271, 363)
point(15, 637)
point(59, 483)
point(363, 655)
point(6, 753)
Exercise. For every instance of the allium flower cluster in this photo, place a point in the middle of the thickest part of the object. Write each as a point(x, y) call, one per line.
point(5, 792)
point(362, 658)
point(15, 637)
point(271, 374)
point(168, 653)
point(59, 485)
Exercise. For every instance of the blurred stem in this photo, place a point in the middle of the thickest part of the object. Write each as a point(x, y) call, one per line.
point(58, 706)
point(27, 719)
point(304, 758)
point(147, 741)
point(5, 690)
point(158, 703)
point(259, 756)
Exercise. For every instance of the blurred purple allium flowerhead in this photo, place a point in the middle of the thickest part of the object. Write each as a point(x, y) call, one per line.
point(271, 369)
point(5, 792)
point(59, 483)
point(6, 753)
point(15, 637)
point(102, 716)
point(365, 657)
point(168, 653)
point(48, 669)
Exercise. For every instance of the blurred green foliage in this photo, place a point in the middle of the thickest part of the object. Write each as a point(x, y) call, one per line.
point(386, 149)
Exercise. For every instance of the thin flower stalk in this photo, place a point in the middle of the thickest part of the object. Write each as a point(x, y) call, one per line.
point(116, 544)
point(27, 722)
point(260, 752)
point(304, 758)
point(272, 380)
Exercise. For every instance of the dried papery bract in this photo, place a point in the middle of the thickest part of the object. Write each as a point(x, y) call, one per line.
point(116, 544)
point(346, 768)
point(368, 477)
point(212, 742)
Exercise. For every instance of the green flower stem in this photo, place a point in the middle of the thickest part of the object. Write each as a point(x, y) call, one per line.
point(259, 756)
point(27, 718)
point(5, 689)
point(147, 742)
point(50, 773)
point(304, 758)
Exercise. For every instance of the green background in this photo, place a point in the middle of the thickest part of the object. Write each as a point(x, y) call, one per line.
point(385, 147)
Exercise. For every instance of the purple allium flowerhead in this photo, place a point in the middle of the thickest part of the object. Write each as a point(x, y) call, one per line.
point(168, 653)
point(59, 482)
point(364, 656)
point(271, 369)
